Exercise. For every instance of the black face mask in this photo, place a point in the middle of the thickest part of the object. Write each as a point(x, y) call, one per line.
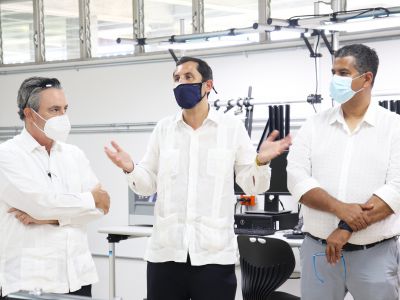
point(187, 95)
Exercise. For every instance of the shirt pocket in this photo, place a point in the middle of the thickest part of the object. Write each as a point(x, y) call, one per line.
point(167, 233)
point(169, 163)
point(84, 264)
point(215, 234)
point(42, 265)
point(219, 161)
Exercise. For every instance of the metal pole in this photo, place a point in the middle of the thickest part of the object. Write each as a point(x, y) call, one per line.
point(84, 29)
point(38, 31)
point(138, 23)
point(111, 265)
point(317, 43)
point(182, 26)
point(198, 16)
point(337, 5)
point(1, 42)
point(264, 13)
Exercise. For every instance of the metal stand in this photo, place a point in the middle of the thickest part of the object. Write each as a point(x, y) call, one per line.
point(112, 239)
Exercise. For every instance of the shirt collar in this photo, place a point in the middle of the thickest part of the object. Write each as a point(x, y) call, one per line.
point(369, 116)
point(213, 115)
point(30, 144)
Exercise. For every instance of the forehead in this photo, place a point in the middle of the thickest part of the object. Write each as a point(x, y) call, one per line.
point(346, 62)
point(187, 67)
point(52, 97)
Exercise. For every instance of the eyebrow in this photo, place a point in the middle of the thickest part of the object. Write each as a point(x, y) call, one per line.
point(58, 106)
point(340, 70)
point(187, 73)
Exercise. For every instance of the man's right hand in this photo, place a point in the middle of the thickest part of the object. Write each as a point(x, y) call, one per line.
point(101, 199)
point(352, 214)
point(119, 157)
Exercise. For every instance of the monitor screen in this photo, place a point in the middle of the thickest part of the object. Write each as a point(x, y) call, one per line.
point(141, 208)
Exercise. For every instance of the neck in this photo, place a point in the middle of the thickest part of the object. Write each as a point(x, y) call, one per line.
point(195, 116)
point(356, 107)
point(39, 136)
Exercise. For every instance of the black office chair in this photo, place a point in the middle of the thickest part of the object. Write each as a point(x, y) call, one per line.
point(265, 263)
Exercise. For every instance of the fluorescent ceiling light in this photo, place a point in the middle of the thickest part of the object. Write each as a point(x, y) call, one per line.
point(354, 25)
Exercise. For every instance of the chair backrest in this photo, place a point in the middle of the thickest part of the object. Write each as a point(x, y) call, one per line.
point(265, 263)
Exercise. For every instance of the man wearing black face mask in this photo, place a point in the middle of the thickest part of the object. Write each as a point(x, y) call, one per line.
point(190, 163)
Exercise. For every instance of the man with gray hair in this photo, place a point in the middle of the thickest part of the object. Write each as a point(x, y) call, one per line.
point(48, 193)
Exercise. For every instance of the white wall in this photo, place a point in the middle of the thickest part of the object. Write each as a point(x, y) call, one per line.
point(143, 92)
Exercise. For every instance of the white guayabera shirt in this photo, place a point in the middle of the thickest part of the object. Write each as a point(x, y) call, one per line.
point(192, 172)
point(54, 258)
point(350, 166)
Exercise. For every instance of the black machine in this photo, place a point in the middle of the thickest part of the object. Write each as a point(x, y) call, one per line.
point(254, 224)
point(271, 218)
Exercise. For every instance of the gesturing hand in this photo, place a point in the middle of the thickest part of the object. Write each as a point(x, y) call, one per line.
point(119, 157)
point(270, 148)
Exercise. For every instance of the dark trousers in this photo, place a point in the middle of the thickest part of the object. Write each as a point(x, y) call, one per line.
point(83, 291)
point(182, 281)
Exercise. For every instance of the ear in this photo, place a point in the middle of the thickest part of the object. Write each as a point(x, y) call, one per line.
point(209, 85)
point(369, 77)
point(28, 114)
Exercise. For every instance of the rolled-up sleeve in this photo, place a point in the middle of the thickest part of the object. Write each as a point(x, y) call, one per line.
point(390, 191)
point(143, 179)
point(251, 178)
point(299, 176)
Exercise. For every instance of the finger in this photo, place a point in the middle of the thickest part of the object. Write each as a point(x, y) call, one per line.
point(274, 134)
point(19, 214)
point(328, 253)
point(363, 224)
point(12, 209)
point(367, 206)
point(288, 139)
point(109, 153)
point(338, 252)
point(116, 146)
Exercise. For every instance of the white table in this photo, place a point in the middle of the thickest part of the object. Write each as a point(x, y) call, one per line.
point(115, 235)
point(119, 233)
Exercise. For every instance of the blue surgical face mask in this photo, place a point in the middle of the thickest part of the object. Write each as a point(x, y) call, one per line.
point(340, 89)
point(187, 95)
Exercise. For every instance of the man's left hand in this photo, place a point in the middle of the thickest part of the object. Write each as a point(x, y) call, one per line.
point(26, 219)
point(270, 148)
point(334, 244)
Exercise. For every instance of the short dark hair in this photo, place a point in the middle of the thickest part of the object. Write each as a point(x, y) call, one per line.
point(366, 58)
point(28, 93)
point(203, 68)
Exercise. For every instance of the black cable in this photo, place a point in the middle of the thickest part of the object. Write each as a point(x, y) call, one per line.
point(280, 202)
point(316, 73)
point(369, 10)
point(333, 15)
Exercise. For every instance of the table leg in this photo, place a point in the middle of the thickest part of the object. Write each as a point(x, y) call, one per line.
point(111, 262)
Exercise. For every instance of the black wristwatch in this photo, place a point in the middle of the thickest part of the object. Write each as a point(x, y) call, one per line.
point(343, 225)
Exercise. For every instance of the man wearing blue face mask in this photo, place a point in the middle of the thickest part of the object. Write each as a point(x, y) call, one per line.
point(344, 167)
point(48, 193)
point(190, 163)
